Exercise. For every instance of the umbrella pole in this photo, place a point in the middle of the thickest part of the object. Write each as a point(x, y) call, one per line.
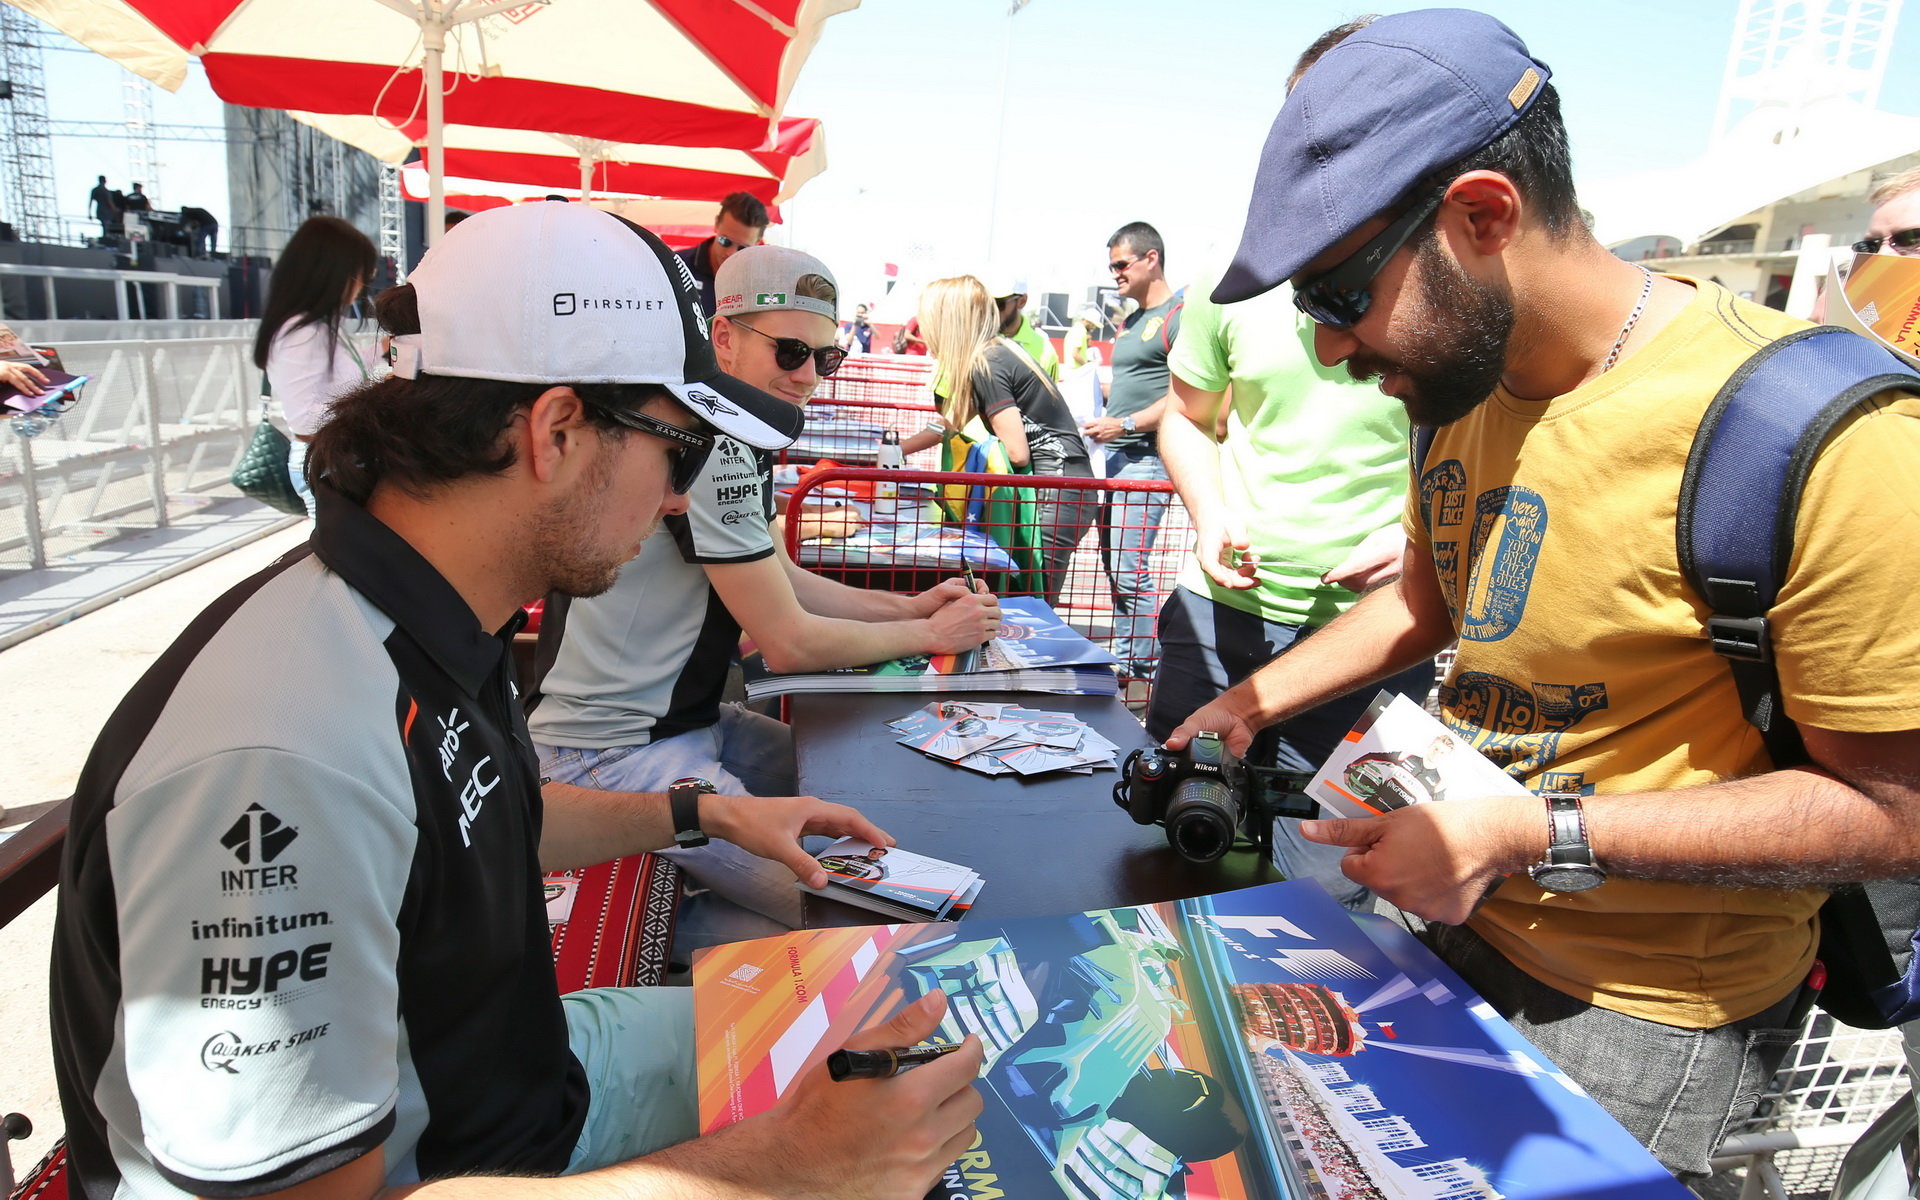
point(586, 176)
point(433, 37)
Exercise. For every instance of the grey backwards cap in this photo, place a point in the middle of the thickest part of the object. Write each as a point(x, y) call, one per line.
point(1380, 111)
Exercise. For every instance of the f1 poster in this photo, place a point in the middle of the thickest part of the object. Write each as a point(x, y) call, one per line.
point(1260, 1043)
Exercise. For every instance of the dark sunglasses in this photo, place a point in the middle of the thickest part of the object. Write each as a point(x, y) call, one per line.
point(730, 243)
point(688, 452)
point(1339, 296)
point(789, 353)
point(1119, 265)
point(1903, 241)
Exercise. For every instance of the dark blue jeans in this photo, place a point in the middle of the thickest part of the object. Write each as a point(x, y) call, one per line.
point(1205, 648)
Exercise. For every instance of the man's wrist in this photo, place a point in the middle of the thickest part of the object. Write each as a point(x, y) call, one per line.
point(1516, 832)
point(1243, 703)
point(718, 814)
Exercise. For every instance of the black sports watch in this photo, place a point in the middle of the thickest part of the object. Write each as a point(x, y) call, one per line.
point(1569, 865)
point(683, 797)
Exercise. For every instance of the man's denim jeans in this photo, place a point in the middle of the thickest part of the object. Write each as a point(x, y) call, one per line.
point(1130, 527)
point(743, 754)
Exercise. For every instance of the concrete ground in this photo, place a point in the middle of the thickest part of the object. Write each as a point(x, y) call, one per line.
point(60, 687)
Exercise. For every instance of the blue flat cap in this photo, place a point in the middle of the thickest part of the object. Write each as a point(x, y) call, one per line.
point(1379, 112)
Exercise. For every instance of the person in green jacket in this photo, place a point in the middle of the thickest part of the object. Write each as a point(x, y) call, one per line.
point(1014, 323)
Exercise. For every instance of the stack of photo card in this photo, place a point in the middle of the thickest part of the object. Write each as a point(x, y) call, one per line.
point(896, 882)
point(1003, 739)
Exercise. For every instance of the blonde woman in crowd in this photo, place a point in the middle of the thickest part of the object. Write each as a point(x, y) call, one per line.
point(992, 384)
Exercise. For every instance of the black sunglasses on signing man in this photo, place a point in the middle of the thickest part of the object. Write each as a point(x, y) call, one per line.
point(1340, 295)
point(688, 452)
point(1902, 241)
point(789, 353)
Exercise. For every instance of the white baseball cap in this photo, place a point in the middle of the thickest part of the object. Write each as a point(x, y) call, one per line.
point(566, 293)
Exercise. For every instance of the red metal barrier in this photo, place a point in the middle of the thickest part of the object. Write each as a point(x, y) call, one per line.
point(869, 395)
point(912, 540)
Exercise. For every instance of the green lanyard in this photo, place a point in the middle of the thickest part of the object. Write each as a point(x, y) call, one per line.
point(357, 360)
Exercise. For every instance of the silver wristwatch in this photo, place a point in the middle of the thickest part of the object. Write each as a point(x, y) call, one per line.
point(1127, 423)
point(1569, 865)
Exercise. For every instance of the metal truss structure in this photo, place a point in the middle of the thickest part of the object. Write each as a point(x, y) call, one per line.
point(27, 188)
point(1791, 53)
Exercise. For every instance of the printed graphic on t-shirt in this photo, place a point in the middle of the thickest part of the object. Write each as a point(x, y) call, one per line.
point(1518, 726)
point(1509, 525)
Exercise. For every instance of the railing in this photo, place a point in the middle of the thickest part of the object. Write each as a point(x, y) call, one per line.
point(907, 541)
point(157, 430)
point(137, 310)
point(904, 379)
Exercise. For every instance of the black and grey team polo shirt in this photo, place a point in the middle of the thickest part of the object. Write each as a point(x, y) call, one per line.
point(300, 913)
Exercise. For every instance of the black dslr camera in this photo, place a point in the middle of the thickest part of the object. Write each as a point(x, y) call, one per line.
point(1207, 797)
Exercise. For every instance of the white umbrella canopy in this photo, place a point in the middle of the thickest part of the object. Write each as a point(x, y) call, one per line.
point(555, 162)
point(678, 223)
point(665, 72)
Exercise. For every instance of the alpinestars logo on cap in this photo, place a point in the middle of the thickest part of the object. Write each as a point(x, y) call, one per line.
point(708, 402)
point(258, 836)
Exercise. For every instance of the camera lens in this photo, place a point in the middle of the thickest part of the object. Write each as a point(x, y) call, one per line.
point(1202, 819)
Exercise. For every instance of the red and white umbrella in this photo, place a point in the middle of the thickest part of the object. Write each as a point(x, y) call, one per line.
point(554, 162)
point(678, 223)
point(665, 72)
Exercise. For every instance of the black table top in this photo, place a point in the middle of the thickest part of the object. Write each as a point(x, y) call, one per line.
point(1049, 844)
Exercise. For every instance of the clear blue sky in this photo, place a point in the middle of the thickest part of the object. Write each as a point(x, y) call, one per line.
point(1116, 110)
point(1143, 109)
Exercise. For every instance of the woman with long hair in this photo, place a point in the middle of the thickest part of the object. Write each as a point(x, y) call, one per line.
point(983, 376)
point(309, 363)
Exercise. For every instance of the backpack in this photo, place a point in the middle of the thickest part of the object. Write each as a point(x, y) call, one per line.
point(1739, 497)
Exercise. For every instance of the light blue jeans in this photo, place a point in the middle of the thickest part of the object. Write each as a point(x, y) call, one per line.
point(297, 472)
point(732, 895)
point(1127, 535)
point(637, 1047)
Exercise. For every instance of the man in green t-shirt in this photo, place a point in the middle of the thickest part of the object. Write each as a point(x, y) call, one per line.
point(1295, 512)
point(1010, 294)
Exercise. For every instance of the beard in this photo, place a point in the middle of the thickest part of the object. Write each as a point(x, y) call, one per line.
point(1457, 343)
point(563, 555)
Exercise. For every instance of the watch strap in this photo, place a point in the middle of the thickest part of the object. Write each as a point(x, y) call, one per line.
point(1566, 829)
point(683, 800)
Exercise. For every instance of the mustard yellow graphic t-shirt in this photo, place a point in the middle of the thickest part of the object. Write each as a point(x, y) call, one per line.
point(1583, 661)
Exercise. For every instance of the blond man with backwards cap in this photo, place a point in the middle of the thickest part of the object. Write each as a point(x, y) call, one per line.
point(633, 697)
point(1649, 920)
point(301, 948)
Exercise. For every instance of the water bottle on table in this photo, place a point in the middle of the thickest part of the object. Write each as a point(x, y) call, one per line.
point(890, 458)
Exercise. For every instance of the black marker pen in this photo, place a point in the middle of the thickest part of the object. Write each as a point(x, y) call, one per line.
point(881, 1064)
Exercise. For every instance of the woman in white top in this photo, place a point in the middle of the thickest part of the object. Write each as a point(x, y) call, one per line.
point(309, 364)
